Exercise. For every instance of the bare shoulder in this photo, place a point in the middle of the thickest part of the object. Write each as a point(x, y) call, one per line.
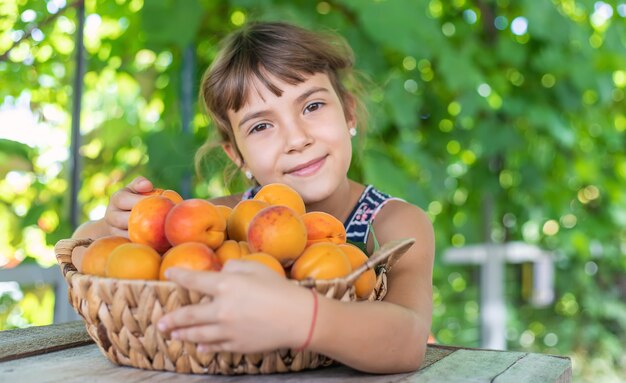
point(400, 219)
point(410, 280)
point(227, 200)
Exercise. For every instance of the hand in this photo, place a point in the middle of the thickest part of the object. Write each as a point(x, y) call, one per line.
point(253, 310)
point(120, 204)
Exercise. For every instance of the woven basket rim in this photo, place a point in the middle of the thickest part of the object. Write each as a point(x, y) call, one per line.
point(389, 252)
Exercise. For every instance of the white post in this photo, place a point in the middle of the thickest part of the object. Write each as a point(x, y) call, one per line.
point(492, 306)
point(492, 259)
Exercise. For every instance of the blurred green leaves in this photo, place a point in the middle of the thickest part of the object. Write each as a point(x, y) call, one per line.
point(462, 108)
point(167, 22)
point(14, 156)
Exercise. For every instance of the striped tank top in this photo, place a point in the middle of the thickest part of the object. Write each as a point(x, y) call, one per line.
point(358, 222)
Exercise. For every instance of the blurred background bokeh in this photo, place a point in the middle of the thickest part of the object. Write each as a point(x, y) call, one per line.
point(504, 120)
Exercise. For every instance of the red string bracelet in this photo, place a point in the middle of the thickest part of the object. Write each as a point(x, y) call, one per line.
point(310, 336)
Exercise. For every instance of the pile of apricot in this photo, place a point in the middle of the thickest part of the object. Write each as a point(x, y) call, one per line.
point(273, 229)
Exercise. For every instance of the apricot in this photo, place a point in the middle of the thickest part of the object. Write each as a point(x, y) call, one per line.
point(323, 227)
point(167, 193)
point(266, 260)
point(133, 261)
point(366, 282)
point(97, 254)
point(278, 231)
point(190, 255)
point(146, 224)
point(232, 249)
point(241, 216)
point(225, 211)
point(281, 194)
point(322, 260)
point(195, 220)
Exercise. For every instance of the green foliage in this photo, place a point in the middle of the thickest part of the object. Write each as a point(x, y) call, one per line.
point(30, 305)
point(464, 110)
point(14, 156)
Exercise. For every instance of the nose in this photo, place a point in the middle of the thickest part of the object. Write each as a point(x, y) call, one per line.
point(297, 137)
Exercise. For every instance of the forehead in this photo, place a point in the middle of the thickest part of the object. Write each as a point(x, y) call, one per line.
point(258, 92)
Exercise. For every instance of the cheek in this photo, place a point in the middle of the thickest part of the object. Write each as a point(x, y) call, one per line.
point(341, 143)
point(348, 153)
point(260, 156)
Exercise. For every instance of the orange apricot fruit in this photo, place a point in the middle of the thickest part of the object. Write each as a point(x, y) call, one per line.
point(225, 211)
point(167, 193)
point(195, 220)
point(278, 231)
point(241, 216)
point(322, 260)
point(323, 227)
point(97, 254)
point(266, 260)
point(133, 261)
point(281, 194)
point(366, 282)
point(146, 224)
point(190, 255)
point(232, 249)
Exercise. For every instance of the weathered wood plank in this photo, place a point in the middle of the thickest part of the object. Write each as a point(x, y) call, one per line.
point(25, 342)
point(86, 363)
point(435, 353)
point(65, 358)
point(543, 368)
point(467, 365)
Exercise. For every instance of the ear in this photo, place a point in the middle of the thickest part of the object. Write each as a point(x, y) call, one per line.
point(350, 111)
point(232, 153)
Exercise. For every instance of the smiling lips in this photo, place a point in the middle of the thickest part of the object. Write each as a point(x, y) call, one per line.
point(307, 168)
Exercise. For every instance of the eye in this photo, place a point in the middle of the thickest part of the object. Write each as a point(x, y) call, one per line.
point(258, 128)
point(312, 107)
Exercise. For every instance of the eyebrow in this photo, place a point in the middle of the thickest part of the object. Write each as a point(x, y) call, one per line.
point(298, 100)
point(309, 92)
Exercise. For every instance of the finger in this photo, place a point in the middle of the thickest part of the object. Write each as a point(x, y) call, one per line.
point(209, 334)
point(125, 199)
point(203, 281)
point(239, 266)
point(119, 232)
point(118, 220)
point(140, 185)
point(186, 316)
point(247, 267)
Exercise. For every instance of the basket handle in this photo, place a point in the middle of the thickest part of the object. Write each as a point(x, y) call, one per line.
point(390, 251)
point(63, 250)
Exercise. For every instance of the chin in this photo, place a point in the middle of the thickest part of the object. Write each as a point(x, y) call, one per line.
point(314, 192)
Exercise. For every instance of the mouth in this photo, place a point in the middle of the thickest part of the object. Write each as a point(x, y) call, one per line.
point(307, 168)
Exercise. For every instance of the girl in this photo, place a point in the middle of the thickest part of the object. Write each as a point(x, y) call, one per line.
point(277, 95)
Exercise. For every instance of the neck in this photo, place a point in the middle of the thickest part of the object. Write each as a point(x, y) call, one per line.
point(340, 203)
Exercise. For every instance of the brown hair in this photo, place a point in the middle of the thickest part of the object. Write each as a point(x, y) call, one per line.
point(285, 51)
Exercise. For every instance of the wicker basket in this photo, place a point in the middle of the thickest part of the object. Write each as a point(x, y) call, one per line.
point(121, 316)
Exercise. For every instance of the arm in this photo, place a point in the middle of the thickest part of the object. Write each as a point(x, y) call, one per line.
point(388, 336)
point(92, 229)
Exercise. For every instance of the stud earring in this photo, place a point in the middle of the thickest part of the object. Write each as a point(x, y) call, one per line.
point(248, 174)
point(352, 132)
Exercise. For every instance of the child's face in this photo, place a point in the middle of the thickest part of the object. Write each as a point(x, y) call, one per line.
point(300, 138)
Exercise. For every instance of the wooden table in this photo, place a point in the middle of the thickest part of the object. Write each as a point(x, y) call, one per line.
point(65, 353)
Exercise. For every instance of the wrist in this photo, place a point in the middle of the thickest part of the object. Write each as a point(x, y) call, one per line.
point(312, 321)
